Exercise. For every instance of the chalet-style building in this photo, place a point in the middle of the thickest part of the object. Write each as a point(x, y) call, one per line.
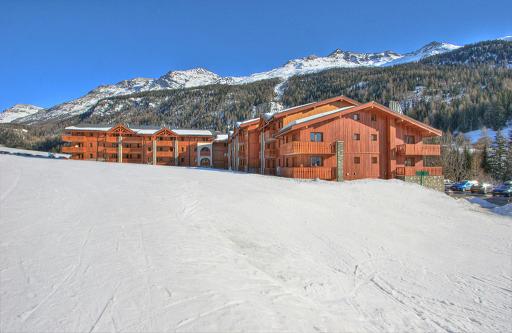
point(334, 139)
point(146, 145)
point(337, 139)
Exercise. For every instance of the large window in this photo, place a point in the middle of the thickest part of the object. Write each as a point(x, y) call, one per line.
point(316, 137)
point(316, 161)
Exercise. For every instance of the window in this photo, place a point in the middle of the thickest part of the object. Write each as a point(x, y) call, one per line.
point(409, 139)
point(182, 149)
point(357, 160)
point(356, 136)
point(90, 155)
point(90, 144)
point(374, 117)
point(316, 137)
point(374, 137)
point(182, 160)
point(375, 160)
point(409, 161)
point(356, 117)
point(316, 161)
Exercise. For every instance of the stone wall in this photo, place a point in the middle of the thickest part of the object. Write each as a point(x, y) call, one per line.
point(340, 152)
point(434, 182)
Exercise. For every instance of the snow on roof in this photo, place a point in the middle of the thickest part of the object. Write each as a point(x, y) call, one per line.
point(193, 132)
point(89, 128)
point(240, 123)
point(221, 137)
point(269, 115)
point(305, 119)
point(146, 131)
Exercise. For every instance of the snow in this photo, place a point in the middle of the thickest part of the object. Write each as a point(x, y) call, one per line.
point(95, 247)
point(222, 137)
point(192, 132)
point(316, 116)
point(506, 38)
point(426, 51)
point(503, 210)
point(32, 153)
point(18, 111)
point(88, 128)
point(474, 136)
point(240, 123)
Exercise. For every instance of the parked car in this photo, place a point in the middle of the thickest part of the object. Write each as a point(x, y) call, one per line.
point(463, 186)
point(447, 184)
point(504, 189)
point(483, 188)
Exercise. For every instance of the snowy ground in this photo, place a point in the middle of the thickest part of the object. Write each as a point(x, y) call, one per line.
point(94, 247)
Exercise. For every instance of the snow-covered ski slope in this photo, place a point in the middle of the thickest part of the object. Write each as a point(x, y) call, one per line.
point(99, 247)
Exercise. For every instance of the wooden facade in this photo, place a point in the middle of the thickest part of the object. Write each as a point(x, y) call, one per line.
point(335, 139)
point(157, 146)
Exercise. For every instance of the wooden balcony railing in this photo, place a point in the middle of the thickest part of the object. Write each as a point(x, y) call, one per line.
point(164, 143)
point(270, 153)
point(303, 148)
point(73, 138)
point(167, 153)
point(419, 149)
point(411, 171)
point(308, 172)
point(70, 150)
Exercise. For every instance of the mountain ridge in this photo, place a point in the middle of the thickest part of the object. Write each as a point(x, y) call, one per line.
point(199, 76)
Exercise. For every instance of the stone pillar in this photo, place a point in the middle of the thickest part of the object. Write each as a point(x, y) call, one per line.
point(154, 151)
point(340, 154)
point(120, 149)
point(176, 152)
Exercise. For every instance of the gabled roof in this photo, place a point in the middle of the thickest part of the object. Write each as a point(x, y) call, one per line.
point(121, 127)
point(299, 123)
point(303, 107)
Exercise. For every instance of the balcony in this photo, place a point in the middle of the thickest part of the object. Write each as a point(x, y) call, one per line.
point(73, 138)
point(308, 173)
point(270, 153)
point(129, 150)
point(164, 143)
point(419, 149)
point(306, 148)
point(71, 150)
point(167, 153)
point(411, 171)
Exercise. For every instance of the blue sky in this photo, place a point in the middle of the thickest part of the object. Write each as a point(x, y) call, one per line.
point(55, 50)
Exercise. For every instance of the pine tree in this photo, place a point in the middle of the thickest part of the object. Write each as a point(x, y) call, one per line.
point(499, 157)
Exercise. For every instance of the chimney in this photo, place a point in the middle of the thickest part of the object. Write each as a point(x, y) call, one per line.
point(395, 106)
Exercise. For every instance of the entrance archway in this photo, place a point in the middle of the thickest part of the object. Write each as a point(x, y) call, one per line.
point(205, 162)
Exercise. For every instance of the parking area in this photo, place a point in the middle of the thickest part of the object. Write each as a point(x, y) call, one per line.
point(498, 201)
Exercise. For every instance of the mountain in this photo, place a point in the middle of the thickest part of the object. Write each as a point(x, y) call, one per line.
point(428, 50)
point(18, 111)
point(201, 77)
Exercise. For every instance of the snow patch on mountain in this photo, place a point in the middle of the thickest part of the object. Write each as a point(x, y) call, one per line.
point(426, 51)
point(506, 38)
point(18, 111)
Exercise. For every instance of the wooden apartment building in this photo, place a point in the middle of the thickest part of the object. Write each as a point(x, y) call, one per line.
point(338, 139)
point(146, 145)
point(334, 139)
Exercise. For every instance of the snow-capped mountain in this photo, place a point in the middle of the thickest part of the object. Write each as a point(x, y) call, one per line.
point(201, 77)
point(426, 51)
point(506, 38)
point(18, 111)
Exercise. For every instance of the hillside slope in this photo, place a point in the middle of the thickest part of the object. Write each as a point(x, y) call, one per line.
point(95, 247)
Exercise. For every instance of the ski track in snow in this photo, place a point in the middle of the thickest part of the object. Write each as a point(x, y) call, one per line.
point(95, 247)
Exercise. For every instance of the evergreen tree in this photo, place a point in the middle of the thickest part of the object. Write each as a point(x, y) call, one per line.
point(499, 157)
